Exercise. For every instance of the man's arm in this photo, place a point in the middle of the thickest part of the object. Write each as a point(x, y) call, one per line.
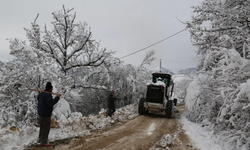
point(50, 101)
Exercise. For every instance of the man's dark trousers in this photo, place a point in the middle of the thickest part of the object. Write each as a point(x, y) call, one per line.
point(111, 111)
point(44, 129)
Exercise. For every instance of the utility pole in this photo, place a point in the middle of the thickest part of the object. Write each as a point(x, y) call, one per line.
point(160, 65)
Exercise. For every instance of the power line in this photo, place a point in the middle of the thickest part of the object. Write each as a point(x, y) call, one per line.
point(152, 44)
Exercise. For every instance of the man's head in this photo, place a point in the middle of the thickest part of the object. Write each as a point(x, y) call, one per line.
point(49, 87)
point(159, 79)
point(111, 92)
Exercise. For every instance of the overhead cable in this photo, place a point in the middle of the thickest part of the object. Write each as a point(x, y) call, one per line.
point(152, 44)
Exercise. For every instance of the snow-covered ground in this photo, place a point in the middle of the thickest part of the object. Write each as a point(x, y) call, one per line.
point(202, 138)
point(79, 126)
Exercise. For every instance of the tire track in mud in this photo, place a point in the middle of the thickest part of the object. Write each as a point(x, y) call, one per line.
point(146, 136)
point(131, 135)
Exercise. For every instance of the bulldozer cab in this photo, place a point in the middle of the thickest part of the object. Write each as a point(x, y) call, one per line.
point(164, 77)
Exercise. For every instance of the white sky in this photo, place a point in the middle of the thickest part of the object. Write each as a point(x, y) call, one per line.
point(124, 26)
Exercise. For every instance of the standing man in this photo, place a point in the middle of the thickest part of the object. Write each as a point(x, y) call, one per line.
point(111, 103)
point(45, 108)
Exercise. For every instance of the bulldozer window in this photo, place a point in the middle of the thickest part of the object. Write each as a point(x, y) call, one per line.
point(165, 81)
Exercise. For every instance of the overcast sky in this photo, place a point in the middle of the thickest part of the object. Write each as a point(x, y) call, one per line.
point(124, 26)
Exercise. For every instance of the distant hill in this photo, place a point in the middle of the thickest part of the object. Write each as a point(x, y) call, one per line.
point(164, 70)
point(189, 72)
point(179, 77)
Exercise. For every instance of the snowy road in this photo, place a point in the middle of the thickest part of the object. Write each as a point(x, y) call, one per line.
point(140, 133)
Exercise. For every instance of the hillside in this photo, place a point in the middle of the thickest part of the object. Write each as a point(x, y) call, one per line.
point(189, 72)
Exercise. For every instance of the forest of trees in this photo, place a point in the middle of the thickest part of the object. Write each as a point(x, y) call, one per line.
point(69, 57)
point(221, 32)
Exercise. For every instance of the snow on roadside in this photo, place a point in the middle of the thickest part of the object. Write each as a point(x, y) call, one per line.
point(13, 139)
point(202, 138)
point(164, 142)
point(74, 126)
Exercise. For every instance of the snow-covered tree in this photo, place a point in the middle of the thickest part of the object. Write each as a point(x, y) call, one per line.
point(180, 88)
point(142, 75)
point(67, 55)
point(74, 63)
point(220, 31)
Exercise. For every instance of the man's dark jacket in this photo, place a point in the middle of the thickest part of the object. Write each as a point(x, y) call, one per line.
point(111, 101)
point(45, 104)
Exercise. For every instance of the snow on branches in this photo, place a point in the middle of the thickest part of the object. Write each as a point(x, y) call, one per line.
point(70, 44)
point(73, 61)
point(220, 31)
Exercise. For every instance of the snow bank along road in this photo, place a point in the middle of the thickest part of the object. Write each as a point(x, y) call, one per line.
point(141, 133)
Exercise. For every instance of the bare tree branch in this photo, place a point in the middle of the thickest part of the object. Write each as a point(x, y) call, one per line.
point(36, 18)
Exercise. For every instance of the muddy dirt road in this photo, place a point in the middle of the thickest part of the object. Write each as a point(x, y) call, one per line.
point(140, 133)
